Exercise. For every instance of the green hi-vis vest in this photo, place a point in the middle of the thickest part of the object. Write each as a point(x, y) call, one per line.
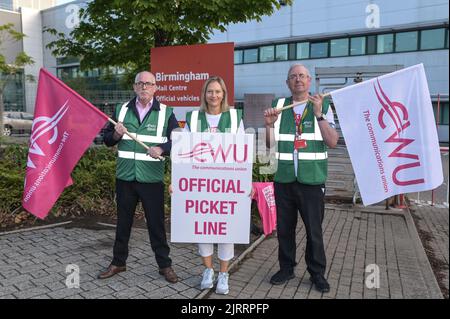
point(312, 160)
point(133, 163)
point(229, 121)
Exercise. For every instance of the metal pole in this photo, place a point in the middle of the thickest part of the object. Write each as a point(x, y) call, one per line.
point(438, 116)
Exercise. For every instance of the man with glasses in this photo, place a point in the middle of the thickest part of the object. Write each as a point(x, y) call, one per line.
point(302, 134)
point(140, 173)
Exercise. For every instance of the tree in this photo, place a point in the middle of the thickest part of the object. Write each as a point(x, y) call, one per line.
point(120, 33)
point(9, 70)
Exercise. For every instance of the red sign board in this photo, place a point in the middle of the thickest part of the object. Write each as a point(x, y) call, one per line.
point(181, 71)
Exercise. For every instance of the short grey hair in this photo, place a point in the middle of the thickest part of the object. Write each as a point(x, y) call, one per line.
point(142, 72)
point(295, 65)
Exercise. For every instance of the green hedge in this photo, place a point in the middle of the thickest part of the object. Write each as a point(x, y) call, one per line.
point(93, 190)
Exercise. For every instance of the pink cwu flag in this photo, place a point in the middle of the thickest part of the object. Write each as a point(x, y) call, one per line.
point(63, 128)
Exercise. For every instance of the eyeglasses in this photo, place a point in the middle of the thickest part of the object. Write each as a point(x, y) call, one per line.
point(145, 84)
point(300, 76)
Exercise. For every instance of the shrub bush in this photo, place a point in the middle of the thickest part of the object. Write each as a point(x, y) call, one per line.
point(93, 189)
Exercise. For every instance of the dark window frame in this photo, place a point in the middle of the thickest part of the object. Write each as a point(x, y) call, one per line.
point(292, 46)
point(393, 42)
point(309, 50)
point(242, 56)
point(348, 47)
point(328, 49)
point(420, 39)
point(259, 53)
point(417, 42)
point(287, 52)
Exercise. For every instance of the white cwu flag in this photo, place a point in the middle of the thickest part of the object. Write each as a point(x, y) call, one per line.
point(389, 128)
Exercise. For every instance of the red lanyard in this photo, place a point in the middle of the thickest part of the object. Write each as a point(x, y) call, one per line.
point(299, 121)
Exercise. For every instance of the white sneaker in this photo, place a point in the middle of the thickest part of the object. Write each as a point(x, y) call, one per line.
point(222, 283)
point(208, 279)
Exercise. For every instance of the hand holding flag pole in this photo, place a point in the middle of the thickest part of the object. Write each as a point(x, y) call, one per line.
point(287, 107)
point(135, 139)
point(63, 129)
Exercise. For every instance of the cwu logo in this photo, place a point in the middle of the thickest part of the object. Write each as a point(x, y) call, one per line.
point(42, 125)
point(219, 154)
point(398, 114)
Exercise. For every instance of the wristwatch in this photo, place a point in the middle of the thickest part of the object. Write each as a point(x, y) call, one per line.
point(320, 118)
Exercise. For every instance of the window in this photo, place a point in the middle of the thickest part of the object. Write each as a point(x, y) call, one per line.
point(442, 117)
point(266, 53)
point(372, 44)
point(292, 51)
point(63, 73)
point(281, 52)
point(303, 50)
point(402, 41)
point(432, 39)
point(319, 50)
point(358, 46)
point(67, 60)
point(446, 39)
point(385, 43)
point(239, 105)
point(251, 56)
point(444, 113)
point(339, 47)
point(406, 41)
point(238, 57)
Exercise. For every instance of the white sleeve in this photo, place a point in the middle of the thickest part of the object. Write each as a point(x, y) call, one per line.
point(330, 116)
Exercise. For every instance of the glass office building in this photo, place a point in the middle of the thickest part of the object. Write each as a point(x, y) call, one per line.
point(318, 34)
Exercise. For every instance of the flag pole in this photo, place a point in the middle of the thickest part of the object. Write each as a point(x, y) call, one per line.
point(298, 103)
point(134, 138)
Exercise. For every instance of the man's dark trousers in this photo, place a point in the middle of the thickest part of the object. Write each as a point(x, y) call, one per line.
point(309, 200)
point(152, 198)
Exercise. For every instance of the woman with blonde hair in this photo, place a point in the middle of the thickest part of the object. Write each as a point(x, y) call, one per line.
point(215, 116)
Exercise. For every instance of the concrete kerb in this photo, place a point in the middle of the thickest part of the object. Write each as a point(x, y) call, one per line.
point(236, 262)
point(368, 209)
point(35, 228)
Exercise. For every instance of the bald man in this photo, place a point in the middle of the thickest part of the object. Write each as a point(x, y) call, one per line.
point(140, 173)
point(302, 134)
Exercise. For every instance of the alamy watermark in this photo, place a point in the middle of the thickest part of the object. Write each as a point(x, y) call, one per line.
point(373, 278)
point(373, 19)
point(73, 279)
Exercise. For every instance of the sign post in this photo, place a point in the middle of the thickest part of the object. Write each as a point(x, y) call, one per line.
point(211, 182)
point(180, 72)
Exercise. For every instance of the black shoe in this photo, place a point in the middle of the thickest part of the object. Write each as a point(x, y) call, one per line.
point(282, 276)
point(320, 283)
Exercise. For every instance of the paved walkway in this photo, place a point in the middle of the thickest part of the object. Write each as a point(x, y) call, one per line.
point(33, 263)
point(353, 240)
